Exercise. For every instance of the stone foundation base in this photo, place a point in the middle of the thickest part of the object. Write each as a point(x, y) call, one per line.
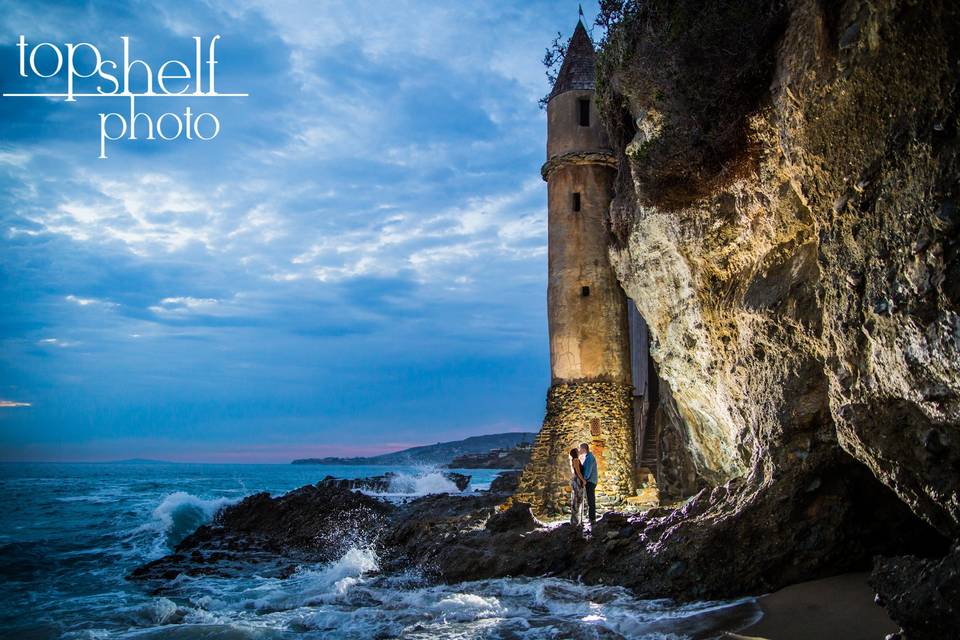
point(599, 413)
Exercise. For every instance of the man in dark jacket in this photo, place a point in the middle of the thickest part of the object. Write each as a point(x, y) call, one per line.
point(590, 474)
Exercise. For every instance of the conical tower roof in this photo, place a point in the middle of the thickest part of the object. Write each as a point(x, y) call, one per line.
point(576, 72)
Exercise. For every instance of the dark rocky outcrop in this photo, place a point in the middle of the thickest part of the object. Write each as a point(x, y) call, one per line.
point(313, 518)
point(921, 595)
point(315, 523)
point(447, 537)
point(517, 517)
point(505, 482)
point(385, 483)
point(819, 526)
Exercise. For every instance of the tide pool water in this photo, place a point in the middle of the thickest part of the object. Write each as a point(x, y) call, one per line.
point(69, 533)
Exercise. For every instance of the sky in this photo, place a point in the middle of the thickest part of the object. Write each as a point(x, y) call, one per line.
point(355, 264)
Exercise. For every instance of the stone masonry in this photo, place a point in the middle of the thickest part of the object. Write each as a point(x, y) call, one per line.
point(598, 413)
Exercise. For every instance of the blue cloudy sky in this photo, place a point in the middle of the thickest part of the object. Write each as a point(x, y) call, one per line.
point(355, 264)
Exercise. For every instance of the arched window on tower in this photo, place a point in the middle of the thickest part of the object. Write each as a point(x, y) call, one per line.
point(583, 109)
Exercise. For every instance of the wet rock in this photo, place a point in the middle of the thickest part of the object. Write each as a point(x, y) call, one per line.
point(307, 518)
point(378, 484)
point(696, 552)
point(518, 517)
point(933, 444)
point(315, 523)
point(428, 522)
point(386, 482)
point(447, 537)
point(921, 595)
point(460, 480)
point(850, 36)
point(505, 482)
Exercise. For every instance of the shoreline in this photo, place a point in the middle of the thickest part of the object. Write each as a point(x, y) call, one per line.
point(838, 607)
point(466, 537)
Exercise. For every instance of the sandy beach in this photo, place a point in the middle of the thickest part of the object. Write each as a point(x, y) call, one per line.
point(837, 607)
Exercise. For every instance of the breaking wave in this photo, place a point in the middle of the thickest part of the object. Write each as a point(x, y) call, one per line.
point(422, 483)
point(180, 513)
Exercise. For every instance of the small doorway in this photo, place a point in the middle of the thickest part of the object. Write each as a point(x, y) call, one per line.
point(644, 377)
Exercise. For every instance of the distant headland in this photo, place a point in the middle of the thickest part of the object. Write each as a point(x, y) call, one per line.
point(444, 453)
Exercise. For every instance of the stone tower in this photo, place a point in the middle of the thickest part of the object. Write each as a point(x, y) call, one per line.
point(590, 398)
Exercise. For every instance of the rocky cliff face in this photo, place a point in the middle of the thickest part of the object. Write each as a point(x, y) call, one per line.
point(786, 219)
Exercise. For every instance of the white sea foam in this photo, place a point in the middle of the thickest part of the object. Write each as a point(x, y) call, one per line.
point(349, 599)
point(159, 611)
point(420, 482)
point(425, 481)
point(464, 607)
point(314, 585)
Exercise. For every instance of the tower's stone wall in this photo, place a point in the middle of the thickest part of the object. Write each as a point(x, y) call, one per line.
point(586, 308)
point(565, 134)
point(599, 413)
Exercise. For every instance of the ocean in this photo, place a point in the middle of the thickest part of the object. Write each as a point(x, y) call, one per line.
point(69, 534)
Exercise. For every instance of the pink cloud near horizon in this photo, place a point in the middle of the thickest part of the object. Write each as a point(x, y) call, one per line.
point(105, 451)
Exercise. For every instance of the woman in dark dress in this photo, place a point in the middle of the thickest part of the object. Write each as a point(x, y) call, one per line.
point(577, 484)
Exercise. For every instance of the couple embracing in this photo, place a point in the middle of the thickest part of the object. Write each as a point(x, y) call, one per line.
point(583, 480)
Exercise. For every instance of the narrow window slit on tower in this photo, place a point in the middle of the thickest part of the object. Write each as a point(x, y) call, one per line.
point(576, 202)
point(583, 105)
point(584, 291)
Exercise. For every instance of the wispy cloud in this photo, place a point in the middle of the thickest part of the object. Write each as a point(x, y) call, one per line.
point(89, 302)
point(8, 404)
point(57, 342)
point(184, 304)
